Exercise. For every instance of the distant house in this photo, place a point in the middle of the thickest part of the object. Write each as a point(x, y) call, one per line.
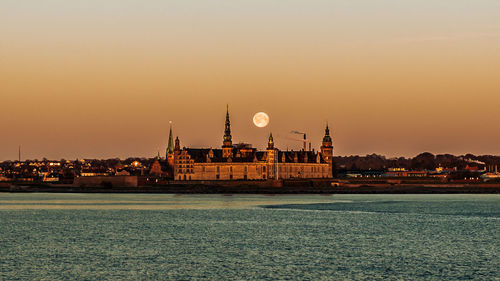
point(490, 176)
point(445, 170)
point(94, 172)
point(157, 170)
point(49, 177)
point(353, 174)
point(402, 172)
point(471, 168)
point(122, 172)
point(365, 174)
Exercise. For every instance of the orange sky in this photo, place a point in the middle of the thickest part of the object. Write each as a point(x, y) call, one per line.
point(85, 79)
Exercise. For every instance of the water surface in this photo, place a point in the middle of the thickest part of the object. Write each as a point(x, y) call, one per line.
point(210, 237)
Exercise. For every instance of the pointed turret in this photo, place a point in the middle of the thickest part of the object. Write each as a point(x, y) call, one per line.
point(227, 128)
point(170, 147)
point(327, 138)
point(227, 143)
point(327, 150)
point(271, 158)
point(270, 142)
point(177, 146)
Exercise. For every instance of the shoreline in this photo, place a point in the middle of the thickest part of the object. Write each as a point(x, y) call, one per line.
point(249, 189)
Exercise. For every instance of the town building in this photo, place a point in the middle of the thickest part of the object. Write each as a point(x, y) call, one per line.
point(402, 172)
point(243, 162)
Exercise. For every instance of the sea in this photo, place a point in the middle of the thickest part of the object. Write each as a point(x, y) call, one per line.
point(48, 236)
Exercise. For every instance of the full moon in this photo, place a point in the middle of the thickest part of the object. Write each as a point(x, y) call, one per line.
point(261, 119)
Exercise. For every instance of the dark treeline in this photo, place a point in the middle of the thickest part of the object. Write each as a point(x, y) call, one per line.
point(424, 161)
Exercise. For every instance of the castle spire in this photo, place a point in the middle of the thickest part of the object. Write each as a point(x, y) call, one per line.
point(327, 138)
point(227, 143)
point(177, 146)
point(327, 151)
point(170, 147)
point(270, 142)
point(227, 129)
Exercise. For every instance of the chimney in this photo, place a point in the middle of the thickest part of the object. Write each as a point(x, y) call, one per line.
point(305, 143)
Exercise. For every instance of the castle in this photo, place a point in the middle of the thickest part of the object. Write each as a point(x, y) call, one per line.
point(242, 162)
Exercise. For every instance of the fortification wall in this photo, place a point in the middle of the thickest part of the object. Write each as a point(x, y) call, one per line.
point(103, 181)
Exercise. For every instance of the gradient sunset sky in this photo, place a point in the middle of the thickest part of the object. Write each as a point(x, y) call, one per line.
point(102, 79)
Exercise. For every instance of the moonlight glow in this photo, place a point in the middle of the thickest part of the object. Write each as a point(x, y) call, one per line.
point(261, 119)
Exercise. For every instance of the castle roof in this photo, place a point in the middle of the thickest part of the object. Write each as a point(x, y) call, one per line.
point(205, 155)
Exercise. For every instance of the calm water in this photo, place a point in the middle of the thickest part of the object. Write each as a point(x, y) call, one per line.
point(147, 237)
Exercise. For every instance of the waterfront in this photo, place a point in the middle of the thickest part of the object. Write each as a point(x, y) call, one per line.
point(162, 236)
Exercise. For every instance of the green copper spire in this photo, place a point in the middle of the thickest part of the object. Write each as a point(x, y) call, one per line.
point(170, 147)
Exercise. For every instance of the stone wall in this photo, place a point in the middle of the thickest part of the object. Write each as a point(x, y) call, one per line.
point(255, 171)
point(106, 181)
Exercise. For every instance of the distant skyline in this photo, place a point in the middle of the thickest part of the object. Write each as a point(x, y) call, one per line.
point(102, 79)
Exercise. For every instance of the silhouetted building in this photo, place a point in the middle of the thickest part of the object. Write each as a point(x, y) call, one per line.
point(242, 162)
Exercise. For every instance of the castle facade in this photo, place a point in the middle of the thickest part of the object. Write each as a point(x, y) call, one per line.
point(242, 162)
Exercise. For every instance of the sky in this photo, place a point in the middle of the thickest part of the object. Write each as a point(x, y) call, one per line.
point(102, 79)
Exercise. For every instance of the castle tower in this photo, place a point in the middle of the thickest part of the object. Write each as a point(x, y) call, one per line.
point(227, 144)
point(177, 146)
point(327, 149)
point(170, 148)
point(175, 158)
point(270, 142)
point(271, 158)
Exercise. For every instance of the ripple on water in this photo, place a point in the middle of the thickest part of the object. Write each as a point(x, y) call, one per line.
point(416, 238)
